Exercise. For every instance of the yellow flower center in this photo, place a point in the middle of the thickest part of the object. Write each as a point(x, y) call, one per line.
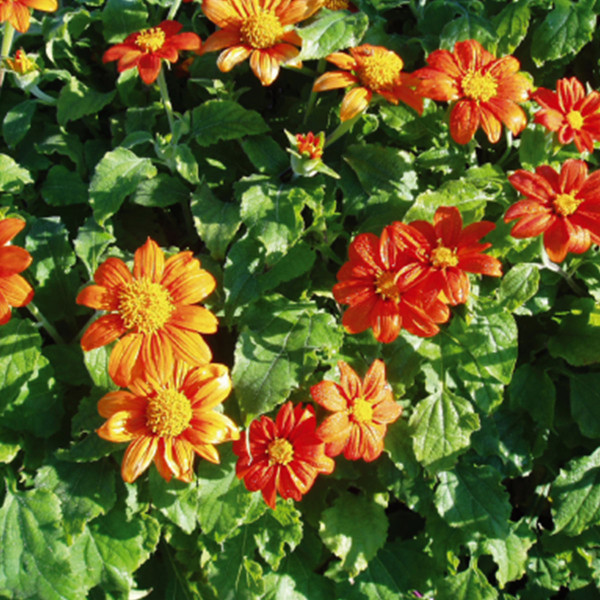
point(262, 29)
point(379, 68)
point(336, 4)
point(362, 411)
point(566, 204)
point(575, 119)
point(145, 306)
point(280, 452)
point(150, 40)
point(385, 286)
point(443, 257)
point(479, 87)
point(168, 413)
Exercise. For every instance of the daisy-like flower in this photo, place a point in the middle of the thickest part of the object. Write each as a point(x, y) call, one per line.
point(167, 416)
point(486, 90)
point(564, 206)
point(284, 456)
point(361, 412)
point(448, 252)
point(380, 285)
point(146, 49)
point(259, 29)
point(16, 12)
point(369, 70)
point(570, 112)
point(151, 310)
point(310, 145)
point(14, 290)
point(21, 63)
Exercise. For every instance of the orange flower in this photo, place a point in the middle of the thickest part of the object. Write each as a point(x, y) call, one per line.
point(152, 309)
point(486, 89)
point(14, 290)
point(370, 70)
point(16, 12)
point(167, 416)
point(259, 29)
point(310, 145)
point(145, 49)
point(448, 252)
point(362, 412)
point(379, 284)
point(284, 456)
point(564, 206)
point(570, 112)
point(339, 5)
point(21, 63)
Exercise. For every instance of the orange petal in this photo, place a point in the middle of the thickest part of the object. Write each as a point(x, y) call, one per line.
point(556, 241)
point(98, 297)
point(327, 394)
point(45, 5)
point(221, 12)
point(334, 80)
point(112, 273)
point(149, 68)
point(223, 38)
point(114, 402)
point(334, 429)
point(511, 114)
point(342, 60)
point(195, 318)
point(16, 290)
point(192, 286)
point(20, 17)
point(264, 66)
point(354, 102)
point(491, 125)
point(207, 386)
point(123, 426)
point(123, 358)
point(188, 346)
point(103, 331)
point(464, 120)
point(9, 228)
point(231, 57)
point(149, 262)
point(138, 457)
point(5, 310)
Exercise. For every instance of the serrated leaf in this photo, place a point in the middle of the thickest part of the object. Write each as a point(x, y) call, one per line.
point(299, 259)
point(519, 285)
point(122, 17)
point(64, 188)
point(266, 154)
point(17, 122)
point(96, 362)
point(469, 26)
point(176, 500)
point(536, 147)
point(91, 243)
point(532, 390)
point(10, 445)
point(117, 175)
point(13, 178)
point(511, 26)
point(585, 403)
point(161, 191)
point(77, 100)
point(470, 584)
point(240, 277)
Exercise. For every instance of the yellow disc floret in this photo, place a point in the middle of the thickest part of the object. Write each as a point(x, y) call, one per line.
point(443, 257)
point(150, 40)
point(168, 413)
point(145, 306)
point(280, 452)
point(575, 119)
point(262, 29)
point(566, 204)
point(379, 68)
point(478, 86)
point(385, 286)
point(362, 411)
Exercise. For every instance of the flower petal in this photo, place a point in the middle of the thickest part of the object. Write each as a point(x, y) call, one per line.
point(103, 331)
point(138, 457)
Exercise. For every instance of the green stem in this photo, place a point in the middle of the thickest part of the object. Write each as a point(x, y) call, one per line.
point(50, 330)
point(313, 95)
point(35, 90)
point(341, 129)
point(164, 93)
point(174, 8)
point(7, 40)
point(548, 264)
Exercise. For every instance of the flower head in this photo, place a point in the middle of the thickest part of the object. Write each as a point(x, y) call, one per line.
point(310, 145)
point(282, 456)
point(147, 48)
point(369, 70)
point(167, 416)
point(564, 206)
point(14, 290)
point(448, 252)
point(361, 410)
point(380, 285)
point(339, 5)
point(16, 12)
point(485, 90)
point(570, 112)
point(21, 63)
point(307, 154)
point(151, 310)
point(259, 29)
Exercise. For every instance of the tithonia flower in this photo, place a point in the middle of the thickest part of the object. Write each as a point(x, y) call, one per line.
point(14, 290)
point(152, 310)
point(147, 48)
point(369, 70)
point(448, 252)
point(310, 145)
point(486, 90)
point(167, 417)
point(361, 412)
point(16, 12)
point(282, 456)
point(570, 112)
point(339, 5)
point(382, 291)
point(21, 63)
point(259, 29)
point(564, 206)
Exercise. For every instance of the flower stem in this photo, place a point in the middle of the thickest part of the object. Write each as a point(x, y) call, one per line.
point(7, 40)
point(341, 129)
point(35, 90)
point(174, 8)
point(164, 93)
point(548, 264)
point(313, 95)
point(50, 330)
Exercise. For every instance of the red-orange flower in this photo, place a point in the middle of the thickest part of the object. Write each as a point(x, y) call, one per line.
point(570, 112)
point(362, 412)
point(284, 456)
point(486, 90)
point(369, 70)
point(259, 29)
point(310, 145)
point(382, 292)
point(21, 63)
point(147, 48)
point(448, 252)
point(16, 12)
point(168, 416)
point(152, 310)
point(14, 290)
point(564, 206)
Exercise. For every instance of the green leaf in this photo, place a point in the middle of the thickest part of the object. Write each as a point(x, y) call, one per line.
point(9, 446)
point(519, 285)
point(176, 500)
point(91, 243)
point(64, 188)
point(13, 178)
point(342, 529)
point(469, 27)
point(242, 266)
point(96, 362)
point(470, 584)
point(442, 425)
point(266, 154)
point(17, 122)
point(332, 31)
point(546, 574)
point(532, 390)
point(34, 560)
point(77, 100)
point(277, 350)
point(585, 403)
point(536, 147)
point(122, 17)
point(216, 120)
point(575, 495)
point(511, 27)
point(564, 31)
point(117, 175)
point(299, 259)
point(161, 191)
point(185, 163)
